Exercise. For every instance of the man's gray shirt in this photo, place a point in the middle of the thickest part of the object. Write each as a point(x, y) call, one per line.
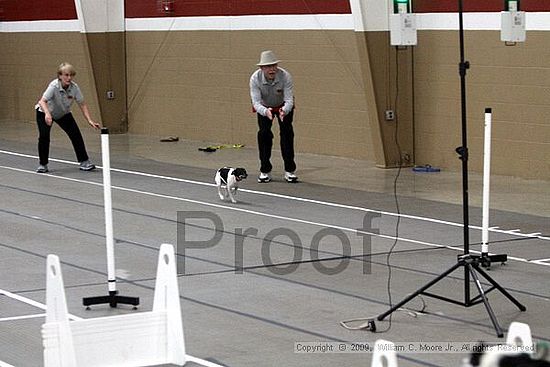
point(265, 93)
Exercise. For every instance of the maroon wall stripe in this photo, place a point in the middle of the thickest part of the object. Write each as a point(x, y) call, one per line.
point(186, 8)
point(18, 10)
point(439, 6)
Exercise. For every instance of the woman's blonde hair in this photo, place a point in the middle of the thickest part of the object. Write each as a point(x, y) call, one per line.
point(66, 67)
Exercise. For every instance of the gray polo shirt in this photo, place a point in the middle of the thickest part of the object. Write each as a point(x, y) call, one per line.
point(265, 93)
point(60, 100)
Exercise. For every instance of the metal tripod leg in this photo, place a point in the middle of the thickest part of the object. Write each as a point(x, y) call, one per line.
point(419, 291)
point(500, 334)
point(499, 287)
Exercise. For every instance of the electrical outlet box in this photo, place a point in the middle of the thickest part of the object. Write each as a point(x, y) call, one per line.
point(110, 94)
point(390, 115)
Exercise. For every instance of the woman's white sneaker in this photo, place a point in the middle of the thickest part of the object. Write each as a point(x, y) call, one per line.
point(43, 168)
point(86, 166)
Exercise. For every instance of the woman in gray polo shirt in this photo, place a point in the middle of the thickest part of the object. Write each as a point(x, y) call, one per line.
point(55, 105)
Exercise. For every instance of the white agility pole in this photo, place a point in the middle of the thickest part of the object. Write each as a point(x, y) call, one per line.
point(113, 299)
point(487, 259)
point(108, 201)
point(486, 184)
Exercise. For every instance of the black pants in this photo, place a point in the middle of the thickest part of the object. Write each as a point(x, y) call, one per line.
point(68, 124)
point(265, 142)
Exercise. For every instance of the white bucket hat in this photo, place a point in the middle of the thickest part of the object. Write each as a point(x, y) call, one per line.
point(268, 58)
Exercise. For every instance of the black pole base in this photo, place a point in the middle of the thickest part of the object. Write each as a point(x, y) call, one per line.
point(471, 264)
point(113, 299)
point(486, 260)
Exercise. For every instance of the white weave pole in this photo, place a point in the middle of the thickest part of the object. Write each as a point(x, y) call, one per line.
point(113, 298)
point(108, 203)
point(486, 183)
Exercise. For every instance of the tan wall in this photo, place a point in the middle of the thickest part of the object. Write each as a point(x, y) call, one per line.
point(29, 63)
point(391, 73)
point(513, 80)
point(195, 85)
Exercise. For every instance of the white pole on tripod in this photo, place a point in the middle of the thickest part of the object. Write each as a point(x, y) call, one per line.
point(111, 276)
point(486, 183)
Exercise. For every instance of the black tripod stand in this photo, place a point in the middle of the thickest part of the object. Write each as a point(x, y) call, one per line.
point(470, 263)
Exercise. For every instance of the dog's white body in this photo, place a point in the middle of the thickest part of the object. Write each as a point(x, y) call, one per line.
point(227, 180)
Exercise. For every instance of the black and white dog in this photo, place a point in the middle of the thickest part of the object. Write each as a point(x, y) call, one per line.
point(227, 179)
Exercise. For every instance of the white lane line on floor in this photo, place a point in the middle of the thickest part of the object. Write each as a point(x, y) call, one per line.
point(31, 302)
point(295, 198)
point(24, 317)
point(4, 364)
point(247, 211)
point(201, 361)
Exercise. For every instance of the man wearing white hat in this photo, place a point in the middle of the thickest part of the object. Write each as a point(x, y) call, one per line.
point(271, 91)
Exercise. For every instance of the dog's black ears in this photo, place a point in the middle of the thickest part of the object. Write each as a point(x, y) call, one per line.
point(240, 172)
